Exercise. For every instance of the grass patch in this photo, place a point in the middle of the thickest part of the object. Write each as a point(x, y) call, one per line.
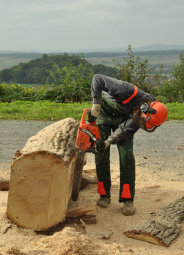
point(46, 110)
point(41, 110)
point(175, 111)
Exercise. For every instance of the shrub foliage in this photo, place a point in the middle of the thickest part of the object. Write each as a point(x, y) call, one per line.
point(69, 80)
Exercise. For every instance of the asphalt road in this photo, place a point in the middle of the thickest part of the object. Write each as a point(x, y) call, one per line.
point(162, 150)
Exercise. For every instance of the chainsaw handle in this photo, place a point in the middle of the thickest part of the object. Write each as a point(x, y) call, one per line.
point(83, 115)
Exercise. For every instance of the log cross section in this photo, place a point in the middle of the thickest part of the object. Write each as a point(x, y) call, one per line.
point(42, 177)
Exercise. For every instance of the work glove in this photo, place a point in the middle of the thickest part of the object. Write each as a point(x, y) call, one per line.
point(100, 146)
point(94, 112)
point(91, 118)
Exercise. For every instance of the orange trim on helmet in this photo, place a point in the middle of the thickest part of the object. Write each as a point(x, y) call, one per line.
point(101, 189)
point(126, 191)
point(132, 96)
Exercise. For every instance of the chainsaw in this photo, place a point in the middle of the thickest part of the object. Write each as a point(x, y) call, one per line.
point(88, 134)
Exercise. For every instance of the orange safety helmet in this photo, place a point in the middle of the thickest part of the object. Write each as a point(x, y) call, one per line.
point(156, 114)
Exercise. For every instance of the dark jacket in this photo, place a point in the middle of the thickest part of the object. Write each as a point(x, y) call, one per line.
point(118, 91)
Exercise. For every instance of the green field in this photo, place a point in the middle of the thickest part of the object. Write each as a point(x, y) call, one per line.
point(45, 110)
point(7, 60)
point(176, 111)
point(166, 60)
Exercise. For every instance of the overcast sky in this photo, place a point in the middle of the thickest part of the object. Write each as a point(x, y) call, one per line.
point(69, 25)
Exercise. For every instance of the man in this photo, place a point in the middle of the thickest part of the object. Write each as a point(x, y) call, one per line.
point(122, 108)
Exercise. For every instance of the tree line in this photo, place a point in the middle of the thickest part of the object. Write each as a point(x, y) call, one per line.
point(67, 78)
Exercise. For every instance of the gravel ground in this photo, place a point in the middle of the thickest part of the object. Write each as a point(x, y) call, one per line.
point(162, 150)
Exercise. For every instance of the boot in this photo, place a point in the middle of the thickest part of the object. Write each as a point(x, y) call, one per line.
point(128, 208)
point(104, 202)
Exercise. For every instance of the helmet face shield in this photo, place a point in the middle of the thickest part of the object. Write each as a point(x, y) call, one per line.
point(147, 127)
point(143, 123)
point(148, 111)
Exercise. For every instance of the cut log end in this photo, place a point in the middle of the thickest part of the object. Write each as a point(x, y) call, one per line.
point(35, 198)
point(42, 177)
point(143, 236)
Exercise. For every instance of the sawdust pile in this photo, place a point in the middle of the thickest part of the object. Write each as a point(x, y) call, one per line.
point(68, 242)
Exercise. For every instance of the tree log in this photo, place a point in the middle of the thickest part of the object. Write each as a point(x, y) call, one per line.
point(77, 174)
point(79, 180)
point(42, 177)
point(85, 212)
point(162, 227)
point(77, 210)
point(4, 184)
point(4, 179)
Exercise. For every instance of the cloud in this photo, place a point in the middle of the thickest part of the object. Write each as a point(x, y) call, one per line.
point(78, 24)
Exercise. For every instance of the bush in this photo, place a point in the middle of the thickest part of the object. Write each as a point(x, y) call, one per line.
point(12, 92)
point(74, 92)
point(173, 90)
point(137, 71)
point(71, 83)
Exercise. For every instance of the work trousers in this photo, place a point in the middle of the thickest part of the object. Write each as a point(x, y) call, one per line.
point(110, 117)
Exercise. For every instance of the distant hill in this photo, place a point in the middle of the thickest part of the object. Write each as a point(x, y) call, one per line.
point(159, 47)
point(100, 59)
point(136, 53)
point(36, 71)
point(150, 47)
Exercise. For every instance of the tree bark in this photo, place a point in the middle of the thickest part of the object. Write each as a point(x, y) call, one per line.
point(162, 227)
point(4, 184)
point(77, 174)
point(4, 179)
point(42, 177)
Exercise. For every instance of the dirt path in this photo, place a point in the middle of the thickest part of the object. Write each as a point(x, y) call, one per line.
point(159, 181)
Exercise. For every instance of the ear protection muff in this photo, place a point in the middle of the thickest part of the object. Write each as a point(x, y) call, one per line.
point(146, 108)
